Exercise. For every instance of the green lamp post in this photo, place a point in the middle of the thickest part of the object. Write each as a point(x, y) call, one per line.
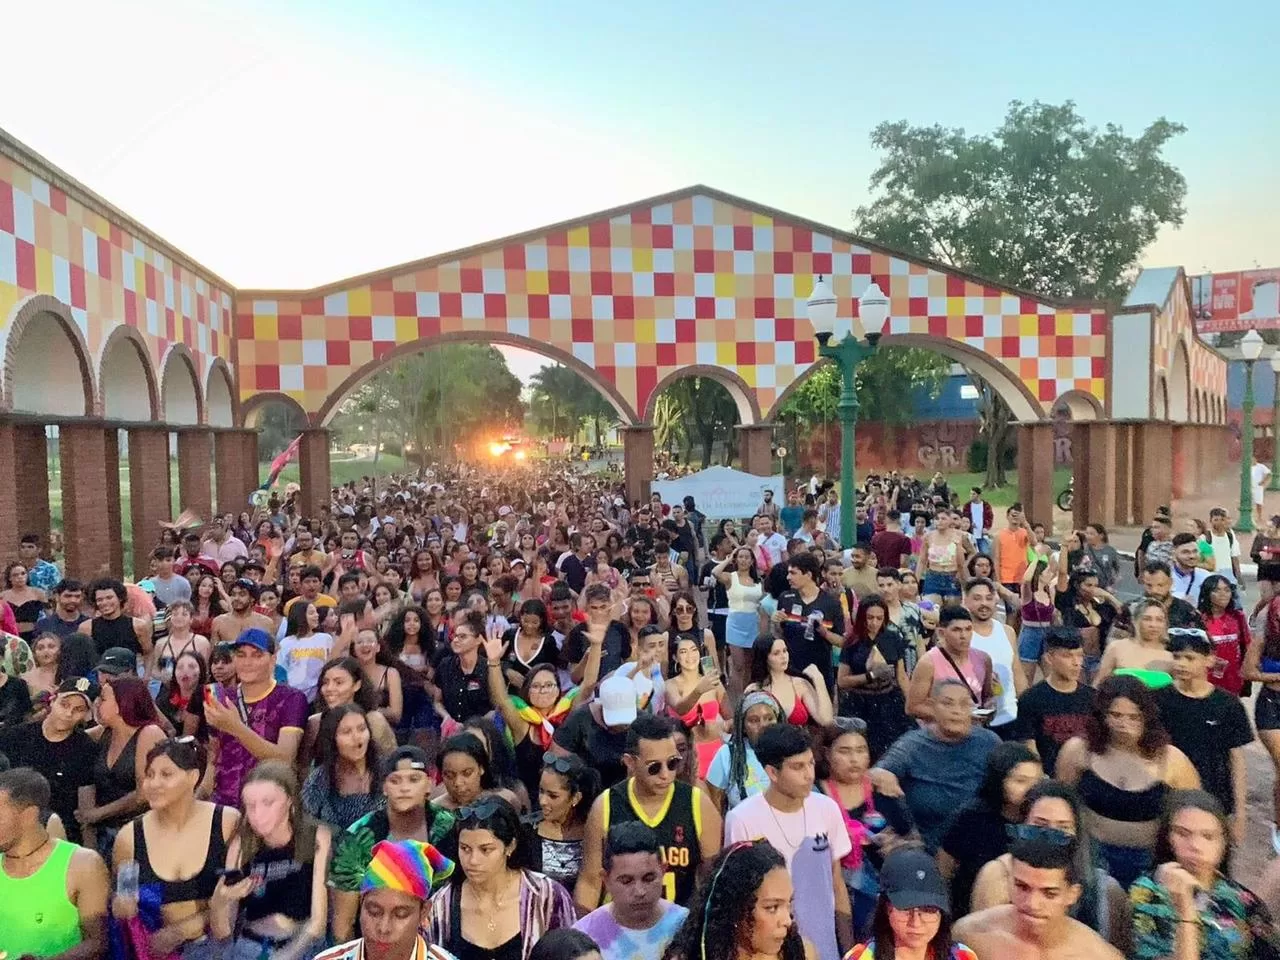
point(1275, 422)
point(1250, 350)
point(848, 349)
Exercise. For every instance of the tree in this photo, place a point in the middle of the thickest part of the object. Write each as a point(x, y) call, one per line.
point(695, 410)
point(1046, 203)
point(562, 400)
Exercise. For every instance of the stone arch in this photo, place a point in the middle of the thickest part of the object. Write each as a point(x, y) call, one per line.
point(181, 402)
point(127, 388)
point(744, 397)
point(1022, 402)
point(1079, 405)
point(220, 395)
point(251, 409)
point(330, 408)
point(1160, 399)
point(1178, 385)
point(45, 354)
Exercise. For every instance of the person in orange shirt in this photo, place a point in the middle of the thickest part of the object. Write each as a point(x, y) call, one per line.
point(1009, 554)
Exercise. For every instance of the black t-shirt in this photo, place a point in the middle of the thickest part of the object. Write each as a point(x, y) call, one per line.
point(548, 653)
point(575, 572)
point(625, 568)
point(601, 748)
point(67, 765)
point(975, 837)
point(811, 649)
point(775, 581)
point(684, 539)
point(1207, 729)
point(890, 643)
point(617, 646)
point(717, 596)
point(15, 702)
point(464, 695)
point(1051, 718)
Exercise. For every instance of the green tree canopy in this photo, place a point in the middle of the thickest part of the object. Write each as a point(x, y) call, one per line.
point(562, 401)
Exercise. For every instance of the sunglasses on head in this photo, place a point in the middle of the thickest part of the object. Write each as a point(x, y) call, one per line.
point(1049, 835)
point(480, 810)
point(851, 724)
point(557, 763)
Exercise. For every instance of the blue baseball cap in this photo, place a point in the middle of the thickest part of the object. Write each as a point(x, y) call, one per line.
point(257, 637)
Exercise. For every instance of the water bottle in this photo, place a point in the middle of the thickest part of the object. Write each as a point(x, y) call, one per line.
point(808, 628)
point(127, 880)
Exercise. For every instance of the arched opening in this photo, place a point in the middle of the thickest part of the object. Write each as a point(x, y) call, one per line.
point(126, 379)
point(694, 412)
point(1160, 402)
point(1178, 388)
point(179, 388)
point(219, 396)
point(1077, 405)
point(46, 362)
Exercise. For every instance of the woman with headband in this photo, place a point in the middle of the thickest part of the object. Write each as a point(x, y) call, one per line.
point(744, 910)
point(735, 773)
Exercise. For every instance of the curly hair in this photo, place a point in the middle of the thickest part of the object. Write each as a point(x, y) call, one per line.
point(720, 914)
point(1154, 735)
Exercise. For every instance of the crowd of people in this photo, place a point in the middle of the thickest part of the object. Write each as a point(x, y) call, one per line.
point(509, 714)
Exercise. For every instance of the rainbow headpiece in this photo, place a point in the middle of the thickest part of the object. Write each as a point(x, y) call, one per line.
point(408, 866)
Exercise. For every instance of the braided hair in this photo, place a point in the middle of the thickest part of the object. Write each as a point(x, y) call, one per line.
point(738, 742)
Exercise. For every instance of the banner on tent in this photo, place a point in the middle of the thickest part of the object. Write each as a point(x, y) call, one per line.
point(721, 492)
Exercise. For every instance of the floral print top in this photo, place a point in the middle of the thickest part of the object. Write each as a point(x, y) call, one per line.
point(1234, 923)
point(867, 951)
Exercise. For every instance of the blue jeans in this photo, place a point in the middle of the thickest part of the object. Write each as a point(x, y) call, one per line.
point(1126, 864)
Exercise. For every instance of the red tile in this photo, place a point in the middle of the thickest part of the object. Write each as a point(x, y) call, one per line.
point(558, 238)
point(664, 284)
point(26, 265)
point(583, 330)
point(918, 306)
point(58, 200)
point(704, 308)
point(646, 381)
point(938, 326)
point(267, 376)
point(428, 327)
point(806, 351)
point(801, 240)
point(558, 281)
point(131, 309)
point(289, 327)
point(744, 238)
point(360, 329)
point(822, 263)
point(746, 354)
point(450, 305)
point(1010, 346)
point(382, 285)
point(624, 308)
point(105, 270)
point(643, 215)
point(243, 326)
point(764, 307)
point(1048, 325)
point(495, 305)
point(663, 236)
point(382, 347)
point(973, 326)
point(1064, 346)
point(405, 303)
point(1099, 366)
point(513, 256)
point(539, 306)
point(955, 285)
point(1048, 390)
point(149, 281)
point(338, 353)
point(77, 286)
point(782, 262)
point(704, 261)
point(599, 235)
point(666, 354)
point(314, 307)
point(784, 329)
point(472, 279)
point(601, 283)
point(686, 331)
point(6, 207)
point(862, 263)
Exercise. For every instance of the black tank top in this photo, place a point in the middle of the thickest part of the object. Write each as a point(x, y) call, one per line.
point(112, 783)
point(199, 887)
point(28, 612)
point(286, 886)
point(114, 633)
point(677, 831)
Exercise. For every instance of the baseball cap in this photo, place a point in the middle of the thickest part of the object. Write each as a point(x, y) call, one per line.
point(618, 701)
point(118, 662)
point(503, 510)
point(910, 878)
point(80, 686)
point(256, 637)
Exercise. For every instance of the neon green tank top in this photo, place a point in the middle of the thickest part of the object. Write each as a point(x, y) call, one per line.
point(35, 914)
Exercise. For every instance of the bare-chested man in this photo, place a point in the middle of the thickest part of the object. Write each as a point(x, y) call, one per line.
point(228, 626)
point(1035, 924)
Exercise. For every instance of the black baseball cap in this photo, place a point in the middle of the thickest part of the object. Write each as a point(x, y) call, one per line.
point(81, 687)
point(118, 662)
point(910, 878)
point(244, 583)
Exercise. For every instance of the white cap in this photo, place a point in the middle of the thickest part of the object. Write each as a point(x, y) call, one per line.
point(617, 701)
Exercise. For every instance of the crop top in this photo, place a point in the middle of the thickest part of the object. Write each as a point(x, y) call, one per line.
point(199, 887)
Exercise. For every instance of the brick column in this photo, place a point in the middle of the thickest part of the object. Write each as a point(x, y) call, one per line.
point(150, 491)
point(86, 507)
point(9, 474)
point(313, 466)
point(32, 457)
point(1035, 471)
point(637, 461)
point(755, 449)
point(1124, 475)
point(1093, 453)
point(195, 458)
point(1152, 478)
point(235, 454)
point(115, 523)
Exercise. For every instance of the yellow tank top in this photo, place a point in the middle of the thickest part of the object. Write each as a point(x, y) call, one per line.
point(36, 916)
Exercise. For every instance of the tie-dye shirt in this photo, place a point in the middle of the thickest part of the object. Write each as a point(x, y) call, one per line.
point(617, 942)
point(281, 708)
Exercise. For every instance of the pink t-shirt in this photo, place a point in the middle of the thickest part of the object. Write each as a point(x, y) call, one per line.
point(973, 672)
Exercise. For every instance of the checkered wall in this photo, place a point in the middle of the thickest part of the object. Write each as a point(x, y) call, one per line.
point(1208, 369)
point(636, 296)
point(52, 243)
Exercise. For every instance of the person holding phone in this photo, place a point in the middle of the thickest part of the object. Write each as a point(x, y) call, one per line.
point(697, 697)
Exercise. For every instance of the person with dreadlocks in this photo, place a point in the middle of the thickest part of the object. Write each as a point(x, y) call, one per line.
point(394, 898)
point(744, 910)
point(735, 773)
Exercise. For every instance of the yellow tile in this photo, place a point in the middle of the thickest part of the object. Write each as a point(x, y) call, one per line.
point(726, 285)
point(727, 354)
point(642, 260)
point(955, 306)
point(406, 329)
point(8, 297)
point(748, 373)
point(1062, 324)
point(580, 237)
point(536, 281)
point(760, 220)
point(265, 328)
point(359, 302)
point(1028, 325)
point(44, 270)
point(645, 331)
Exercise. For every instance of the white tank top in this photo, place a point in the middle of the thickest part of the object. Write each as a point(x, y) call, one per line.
point(743, 598)
point(996, 646)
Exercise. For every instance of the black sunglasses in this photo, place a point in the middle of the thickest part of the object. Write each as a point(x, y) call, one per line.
point(1049, 835)
point(558, 763)
point(673, 764)
point(481, 810)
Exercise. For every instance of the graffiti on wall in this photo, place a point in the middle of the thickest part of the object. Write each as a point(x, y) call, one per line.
point(944, 445)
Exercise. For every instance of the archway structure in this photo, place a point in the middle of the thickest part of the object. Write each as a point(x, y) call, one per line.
point(642, 292)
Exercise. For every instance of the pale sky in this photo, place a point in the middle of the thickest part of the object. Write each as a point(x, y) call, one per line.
point(290, 144)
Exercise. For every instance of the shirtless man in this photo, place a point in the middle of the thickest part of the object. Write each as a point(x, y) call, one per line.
point(1147, 650)
point(1035, 925)
point(228, 626)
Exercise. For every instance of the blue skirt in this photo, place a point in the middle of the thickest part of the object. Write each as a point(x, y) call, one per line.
point(741, 629)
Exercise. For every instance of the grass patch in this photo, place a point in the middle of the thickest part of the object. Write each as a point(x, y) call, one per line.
point(1000, 497)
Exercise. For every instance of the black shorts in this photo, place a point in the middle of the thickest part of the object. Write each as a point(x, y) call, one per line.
point(1266, 712)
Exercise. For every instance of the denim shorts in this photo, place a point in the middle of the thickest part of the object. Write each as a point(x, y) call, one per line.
point(940, 585)
point(1031, 642)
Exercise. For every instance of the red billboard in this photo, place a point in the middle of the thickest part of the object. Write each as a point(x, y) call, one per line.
point(1236, 301)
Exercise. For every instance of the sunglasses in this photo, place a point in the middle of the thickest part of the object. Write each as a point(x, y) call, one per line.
point(851, 724)
point(481, 810)
point(654, 767)
point(1049, 835)
point(559, 764)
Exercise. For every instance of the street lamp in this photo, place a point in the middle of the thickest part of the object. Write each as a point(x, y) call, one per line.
point(858, 340)
point(1250, 351)
point(1275, 422)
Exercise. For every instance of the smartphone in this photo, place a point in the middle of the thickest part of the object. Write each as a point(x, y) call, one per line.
point(983, 713)
point(708, 665)
point(231, 876)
